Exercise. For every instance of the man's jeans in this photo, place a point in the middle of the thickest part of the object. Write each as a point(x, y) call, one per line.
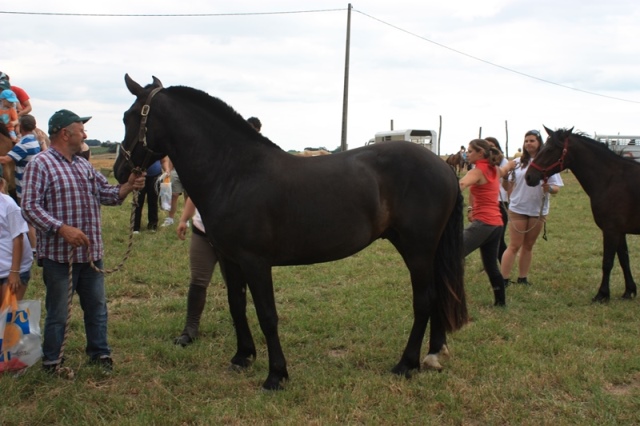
point(89, 285)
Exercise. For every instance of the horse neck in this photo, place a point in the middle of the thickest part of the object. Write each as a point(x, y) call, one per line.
point(587, 166)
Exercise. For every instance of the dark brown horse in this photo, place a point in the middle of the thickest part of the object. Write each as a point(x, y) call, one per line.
point(261, 207)
point(456, 162)
point(612, 183)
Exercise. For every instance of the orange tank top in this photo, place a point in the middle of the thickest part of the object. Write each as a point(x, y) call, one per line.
point(485, 196)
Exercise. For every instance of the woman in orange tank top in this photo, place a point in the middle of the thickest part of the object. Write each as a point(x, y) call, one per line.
point(486, 225)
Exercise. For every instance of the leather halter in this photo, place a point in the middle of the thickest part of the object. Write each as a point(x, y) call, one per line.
point(560, 162)
point(142, 136)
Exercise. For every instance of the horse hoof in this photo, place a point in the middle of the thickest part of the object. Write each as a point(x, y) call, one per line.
point(444, 351)
point(242, 362)
point(600, 298)
point(237, 368)
point(431, 362)
point(183, 340)
point(401, 371)
point(629, 295)
point(274, 383)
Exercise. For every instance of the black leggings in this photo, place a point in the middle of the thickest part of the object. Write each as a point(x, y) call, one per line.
point(487, 238)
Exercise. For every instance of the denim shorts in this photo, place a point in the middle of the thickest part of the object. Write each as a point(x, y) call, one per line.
point(24, 278)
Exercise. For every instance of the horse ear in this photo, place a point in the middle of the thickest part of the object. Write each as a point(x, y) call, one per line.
point(571, 130)
point(156, 81)
point(135, 89)
point(549, 131)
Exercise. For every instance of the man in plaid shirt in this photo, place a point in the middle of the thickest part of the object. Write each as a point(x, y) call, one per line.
point(62, 195)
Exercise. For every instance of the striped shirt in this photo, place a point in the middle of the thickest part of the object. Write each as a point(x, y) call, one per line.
point(58, 192)
point(22, 153)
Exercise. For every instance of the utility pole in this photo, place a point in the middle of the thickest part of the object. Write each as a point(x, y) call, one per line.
point(506, 142)
point(439, 134)
point(345, 96)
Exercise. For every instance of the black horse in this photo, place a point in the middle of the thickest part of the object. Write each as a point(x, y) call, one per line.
point(613, 185)
point(261, 207)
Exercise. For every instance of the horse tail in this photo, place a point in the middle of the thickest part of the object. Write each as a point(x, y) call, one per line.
point(449, 272)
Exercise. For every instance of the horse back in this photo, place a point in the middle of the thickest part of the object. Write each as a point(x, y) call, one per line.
point(309, 210)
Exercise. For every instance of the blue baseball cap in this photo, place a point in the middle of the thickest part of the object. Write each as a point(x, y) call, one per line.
point(8, 95)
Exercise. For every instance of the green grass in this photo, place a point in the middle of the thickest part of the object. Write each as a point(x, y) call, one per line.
point(550, 357)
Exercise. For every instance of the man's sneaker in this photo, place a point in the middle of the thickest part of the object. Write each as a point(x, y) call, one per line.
point(167, 222)
point(152, 227)
point(105, 362)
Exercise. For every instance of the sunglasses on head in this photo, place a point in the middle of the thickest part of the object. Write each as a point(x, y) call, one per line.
point(534, 132)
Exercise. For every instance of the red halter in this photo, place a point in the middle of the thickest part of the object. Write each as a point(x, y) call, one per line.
point(560, 162)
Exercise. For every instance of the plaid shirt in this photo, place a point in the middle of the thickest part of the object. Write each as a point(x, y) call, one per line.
point(57, 192)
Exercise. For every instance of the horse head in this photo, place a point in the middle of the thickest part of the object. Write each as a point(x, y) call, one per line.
point(137, 150)
point(551, 158)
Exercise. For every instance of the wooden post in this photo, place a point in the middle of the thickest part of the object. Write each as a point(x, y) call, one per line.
point(439, 134)
point(506, 141)
point(345, 96)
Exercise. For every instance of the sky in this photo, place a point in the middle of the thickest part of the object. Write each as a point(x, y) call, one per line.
point(467, 68)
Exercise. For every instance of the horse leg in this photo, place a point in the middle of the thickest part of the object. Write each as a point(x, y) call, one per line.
point(261, 286)
point(610, 242)
point(437, 344)
point(237, 298)
point(420, 271)
point(630, 289)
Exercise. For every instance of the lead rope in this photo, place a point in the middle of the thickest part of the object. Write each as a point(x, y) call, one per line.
point(66, 371)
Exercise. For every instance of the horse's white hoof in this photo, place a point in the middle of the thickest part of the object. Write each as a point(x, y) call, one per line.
point(431, 362)
point(444, 351)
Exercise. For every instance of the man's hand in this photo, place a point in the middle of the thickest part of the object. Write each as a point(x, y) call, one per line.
point(137, 180)
point(73, 236)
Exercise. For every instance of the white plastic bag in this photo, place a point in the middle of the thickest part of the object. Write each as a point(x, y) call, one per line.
point(165, 192)
point(20, 341)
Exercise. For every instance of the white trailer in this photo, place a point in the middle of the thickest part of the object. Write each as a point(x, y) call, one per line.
point(426, 138)
point(626, 145)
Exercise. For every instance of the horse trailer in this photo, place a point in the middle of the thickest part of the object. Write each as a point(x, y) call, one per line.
point(627, 146)
point(426, 138)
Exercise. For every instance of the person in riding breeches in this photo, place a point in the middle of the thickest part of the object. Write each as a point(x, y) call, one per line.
point(202, 262)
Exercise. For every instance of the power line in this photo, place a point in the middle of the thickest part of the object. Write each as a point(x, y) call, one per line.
point(169, 15)
point(197, 15)
point(494, 64)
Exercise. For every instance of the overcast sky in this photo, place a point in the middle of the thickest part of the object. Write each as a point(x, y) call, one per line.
point(412, 62)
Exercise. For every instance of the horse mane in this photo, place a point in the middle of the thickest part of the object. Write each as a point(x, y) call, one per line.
point(562, 134)
point(221, 109)
point(3, 130)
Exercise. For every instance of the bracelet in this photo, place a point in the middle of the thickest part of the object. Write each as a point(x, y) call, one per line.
point(11, 270)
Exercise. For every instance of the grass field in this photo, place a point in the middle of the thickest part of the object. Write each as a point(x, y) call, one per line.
point(549, 357)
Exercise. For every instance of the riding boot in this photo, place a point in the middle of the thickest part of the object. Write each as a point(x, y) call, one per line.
point(196, 299)
point(499, 296)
